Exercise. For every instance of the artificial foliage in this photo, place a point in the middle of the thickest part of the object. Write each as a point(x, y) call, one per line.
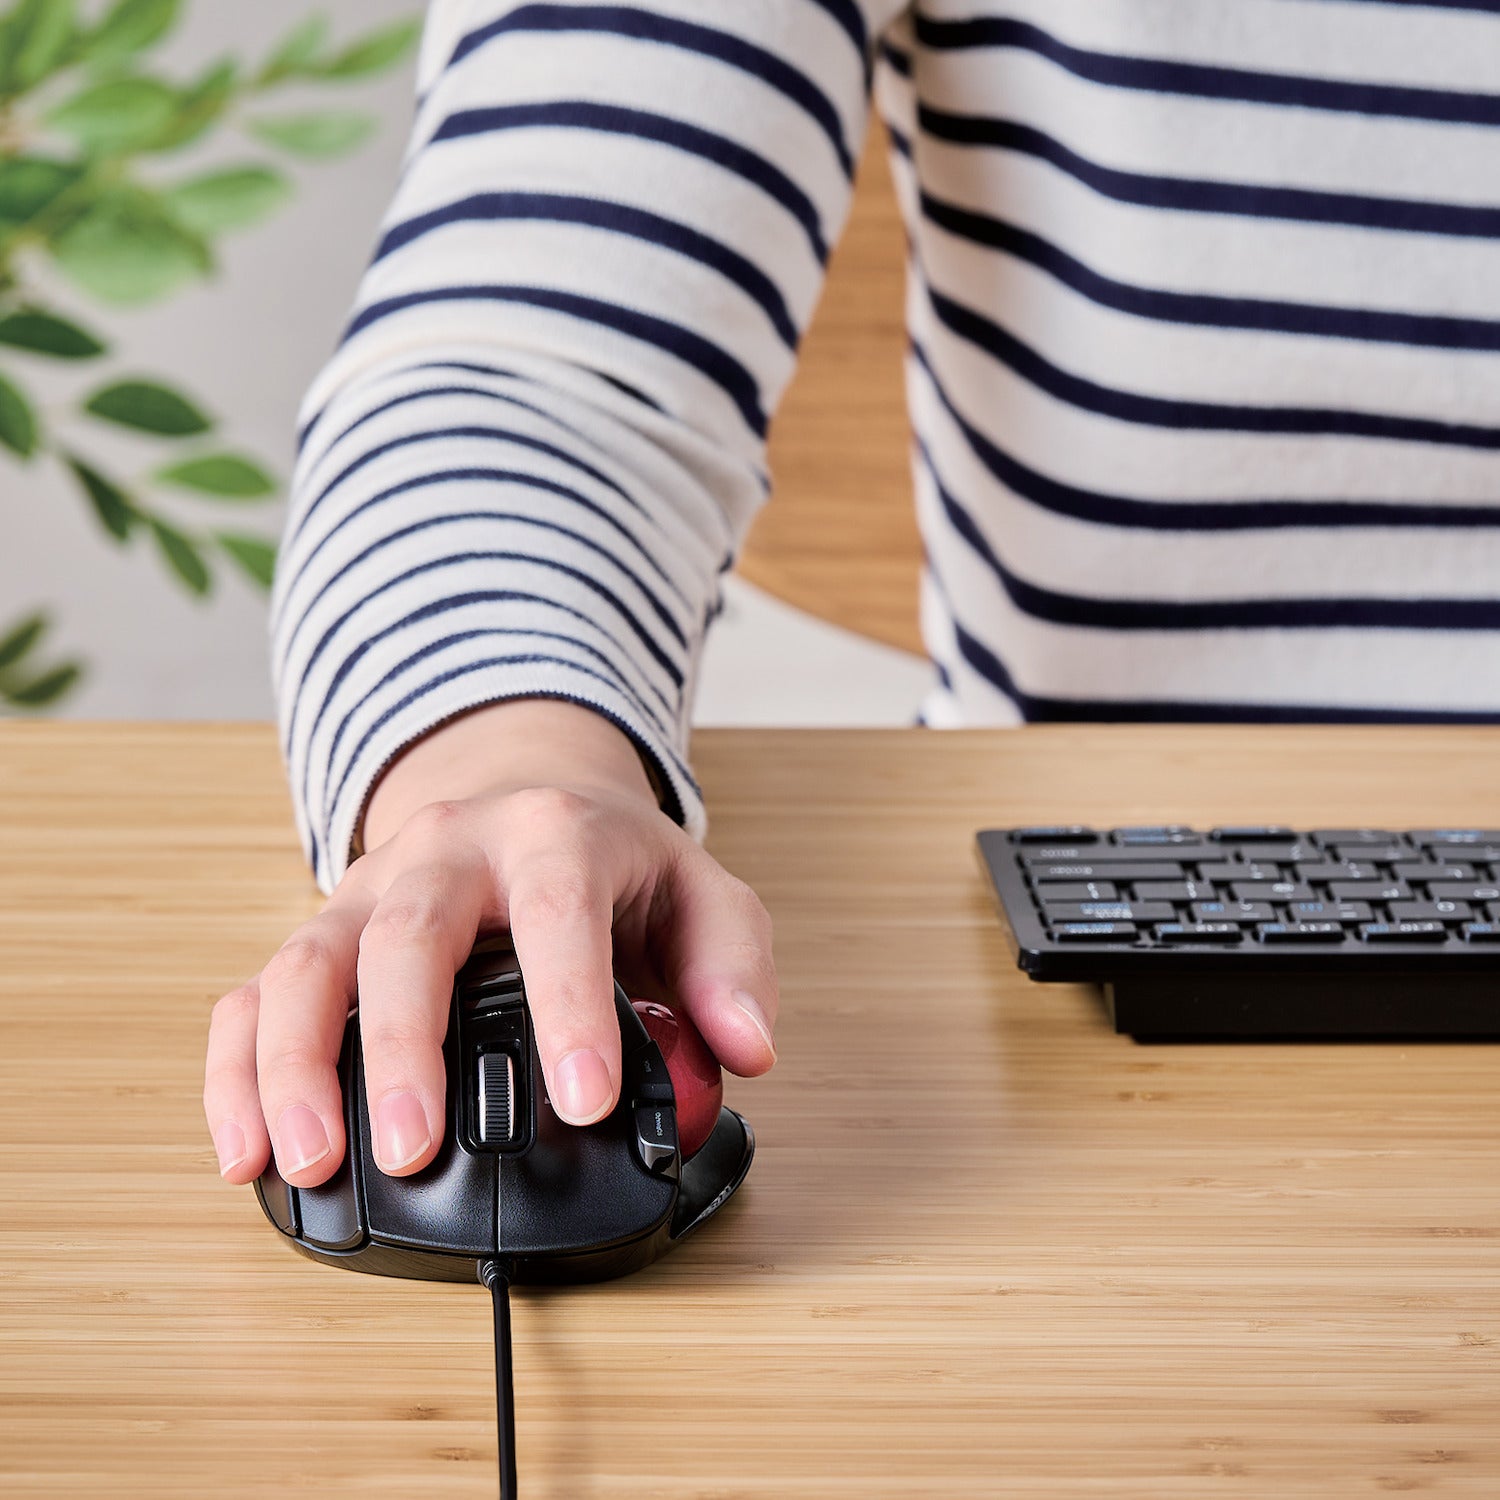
point(101, 200)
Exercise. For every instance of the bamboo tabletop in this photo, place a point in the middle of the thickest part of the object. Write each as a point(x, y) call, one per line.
point(988, 1247)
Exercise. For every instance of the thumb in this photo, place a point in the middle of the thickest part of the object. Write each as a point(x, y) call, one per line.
point(718, 964)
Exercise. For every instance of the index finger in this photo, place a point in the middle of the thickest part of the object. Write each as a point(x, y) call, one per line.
point(414, 942)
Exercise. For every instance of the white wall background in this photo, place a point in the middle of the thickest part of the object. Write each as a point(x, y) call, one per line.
point(245, 345)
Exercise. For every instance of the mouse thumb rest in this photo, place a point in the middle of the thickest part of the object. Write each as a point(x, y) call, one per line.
point(557, 1202)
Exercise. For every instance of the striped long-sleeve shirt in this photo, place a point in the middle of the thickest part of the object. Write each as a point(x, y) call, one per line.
point(1204, 315)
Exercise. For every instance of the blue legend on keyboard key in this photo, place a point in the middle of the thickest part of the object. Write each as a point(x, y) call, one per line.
point(1198, 932)
point(1404, 932)
point(1094, 932)
point(1300, 932)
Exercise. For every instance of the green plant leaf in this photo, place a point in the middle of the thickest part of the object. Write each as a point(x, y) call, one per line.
point(255, 555)
point(182, 556)
point(128, 249)
point(318, 134)
point(229, 199)
point(29, 183)
point(38, 36)
point(45, 333)
point(17, 420)
point(296, 54)
point(19, 639)
point(226, 476)
point(46, 689)
point(148, 407)
point(117, 115)
point(111, 504)
point(130, 26)
point(197, 108)
point(374, 52)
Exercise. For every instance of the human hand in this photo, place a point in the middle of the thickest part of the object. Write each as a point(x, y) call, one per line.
point(531, 816)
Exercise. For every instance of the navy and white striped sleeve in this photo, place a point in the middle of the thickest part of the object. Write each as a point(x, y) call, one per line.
point(542, 435)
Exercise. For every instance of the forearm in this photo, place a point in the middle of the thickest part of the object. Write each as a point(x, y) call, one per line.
point(528, 742)
point(542, 438)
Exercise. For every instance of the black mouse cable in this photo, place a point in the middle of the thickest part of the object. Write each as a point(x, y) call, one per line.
point(495, 1274)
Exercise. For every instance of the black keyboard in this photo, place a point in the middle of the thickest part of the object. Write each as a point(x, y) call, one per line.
point(1262, 932)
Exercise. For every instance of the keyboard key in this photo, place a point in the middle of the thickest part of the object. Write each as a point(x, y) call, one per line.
point(1187, 854)
point(1272, 890)
point(1233, 911)
point(1371, 854)
point(1173, 834)
point(1420, 874)
point(1173, 890)
point(1114, 866)
point(1431, 911)
point(1218, 933)
point(1109, 911)
point(1329, 911)
point(1328, 836)
point(1234, 835)
point(1327, 870)
point(1250, 869)
point(1462, 890)
point(1300, 932)
point(1094, 932)
point(1043, 854)
point(1369, 890)
point(1404, 932)
point(1482, 932)
point(1455, 835)
point(1483, 853)
point(1073, 834)
point(1089, 890)
point(1278, 853)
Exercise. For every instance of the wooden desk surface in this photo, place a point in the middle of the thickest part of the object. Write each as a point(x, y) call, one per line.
point(988, 1249)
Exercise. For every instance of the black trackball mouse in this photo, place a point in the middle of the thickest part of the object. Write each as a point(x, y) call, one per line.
point(514, 1194)
point(555, 1202)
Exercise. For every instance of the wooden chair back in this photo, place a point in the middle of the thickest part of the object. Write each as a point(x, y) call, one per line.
point(839, 537)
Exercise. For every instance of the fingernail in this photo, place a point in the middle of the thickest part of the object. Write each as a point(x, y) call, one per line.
point(751, 1006)
point(401, 1131)
point(301, 1141)
point(229, 1145)
point(582, 1086)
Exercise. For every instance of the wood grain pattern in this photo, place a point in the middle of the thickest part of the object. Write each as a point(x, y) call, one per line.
point(988, 1248)
point(839, 536)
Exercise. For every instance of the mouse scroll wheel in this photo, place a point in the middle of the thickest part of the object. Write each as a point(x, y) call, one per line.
point(497, 1096)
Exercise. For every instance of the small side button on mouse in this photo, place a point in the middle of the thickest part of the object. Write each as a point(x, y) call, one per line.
point(653, 1084)
point(656, 1138)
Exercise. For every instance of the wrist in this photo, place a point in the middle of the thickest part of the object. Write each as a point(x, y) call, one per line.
point(522, 742)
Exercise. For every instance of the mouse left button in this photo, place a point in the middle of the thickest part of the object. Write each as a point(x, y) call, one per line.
point(331, 1214)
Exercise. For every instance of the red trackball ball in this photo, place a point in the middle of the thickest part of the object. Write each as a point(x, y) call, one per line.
point(693, 1069)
